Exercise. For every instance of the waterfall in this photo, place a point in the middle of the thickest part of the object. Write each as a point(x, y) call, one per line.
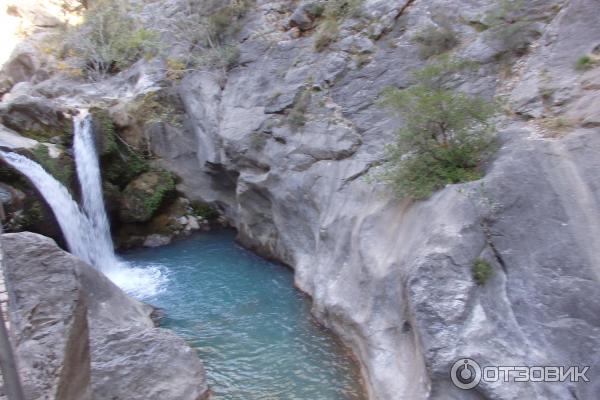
point(100, 253)
point(86, 229)
point(70, 218)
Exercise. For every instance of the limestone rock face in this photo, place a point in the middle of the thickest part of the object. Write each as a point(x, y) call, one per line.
point(80, 337)
point(393, 278)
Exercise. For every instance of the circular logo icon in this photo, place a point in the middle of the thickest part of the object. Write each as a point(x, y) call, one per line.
point(465, 374)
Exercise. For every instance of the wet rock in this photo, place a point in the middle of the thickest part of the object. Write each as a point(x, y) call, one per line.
point(157, 240)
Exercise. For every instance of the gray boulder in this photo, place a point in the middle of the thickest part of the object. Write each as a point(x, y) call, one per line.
point(80, 337)
point(34, 117)
point(49, 319)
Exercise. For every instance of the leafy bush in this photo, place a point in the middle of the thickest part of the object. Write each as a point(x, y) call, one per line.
point(482, 271)
point(109, 40)
point(446, 133)
point(435, 40)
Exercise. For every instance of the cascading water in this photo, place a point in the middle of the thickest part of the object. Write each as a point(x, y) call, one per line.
point(100, 252)
point(86, 229)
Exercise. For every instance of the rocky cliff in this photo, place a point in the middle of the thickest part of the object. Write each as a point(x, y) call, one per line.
point(282, 142)
point(80, 337)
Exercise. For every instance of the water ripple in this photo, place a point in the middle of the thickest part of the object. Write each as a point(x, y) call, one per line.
point(249, 325)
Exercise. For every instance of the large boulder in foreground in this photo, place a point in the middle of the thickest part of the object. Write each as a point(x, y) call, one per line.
point(80, 337)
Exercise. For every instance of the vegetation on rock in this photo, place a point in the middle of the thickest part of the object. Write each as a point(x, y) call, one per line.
point(482, 271)
point(297, 114)
point(204, 211)
point(152, 108)
point(142, 198)
point(436, 40)
point(61, 168)
point(332, 14)
point(207, 31)
point(445, 136)
point(108, 41)
point(120, 163)
point(513, 25)
point(585, 62)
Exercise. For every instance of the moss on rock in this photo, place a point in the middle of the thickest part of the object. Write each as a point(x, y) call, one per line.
point(62, 167)
point(142, 198)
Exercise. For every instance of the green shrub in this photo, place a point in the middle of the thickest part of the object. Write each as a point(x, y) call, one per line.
point(482, 271)
point(585, 63)
point(109, 40)
point(433, 40)
point(445, 135)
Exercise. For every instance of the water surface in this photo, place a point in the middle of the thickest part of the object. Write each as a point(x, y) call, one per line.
point(251, 327)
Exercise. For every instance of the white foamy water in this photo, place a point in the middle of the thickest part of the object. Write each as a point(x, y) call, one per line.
point(86, 229)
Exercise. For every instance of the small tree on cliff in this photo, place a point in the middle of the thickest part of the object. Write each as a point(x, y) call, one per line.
point(445, 135)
